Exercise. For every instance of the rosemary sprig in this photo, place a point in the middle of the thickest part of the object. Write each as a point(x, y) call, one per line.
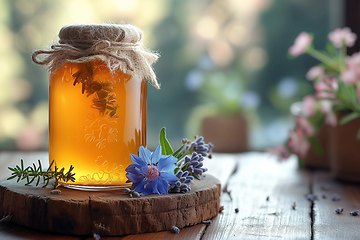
point(32, 173)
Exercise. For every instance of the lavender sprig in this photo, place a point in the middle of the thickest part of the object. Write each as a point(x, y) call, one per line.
point(194, 164)
point(187, 167)
point(199, 146)
point(183, 184)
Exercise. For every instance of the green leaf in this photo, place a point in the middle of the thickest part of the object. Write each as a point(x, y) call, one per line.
point(165, 145)
point(11, 177)
point(301, 163)
point(179, 162)
point(182, 155)
point(179, 150)
point(192, 174)
point(176, 170)
point(349, 117)
point(31, 181)
point(330, 48)
point(316, 146)
point(186, 165)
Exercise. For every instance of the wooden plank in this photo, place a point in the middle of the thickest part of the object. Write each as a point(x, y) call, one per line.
point(260, 176)
point(9, 231)
point(221, 166)
point(328, 224)
point(193, 233)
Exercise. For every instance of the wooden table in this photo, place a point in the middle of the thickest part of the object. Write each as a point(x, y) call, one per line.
point(262, 189)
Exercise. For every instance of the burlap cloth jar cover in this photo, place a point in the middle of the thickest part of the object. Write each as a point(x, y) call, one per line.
point(118, 46)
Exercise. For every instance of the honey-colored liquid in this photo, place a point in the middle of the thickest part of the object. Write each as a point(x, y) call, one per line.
point(96, 120)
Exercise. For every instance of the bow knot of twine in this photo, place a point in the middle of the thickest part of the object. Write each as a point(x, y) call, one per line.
point(123, 52)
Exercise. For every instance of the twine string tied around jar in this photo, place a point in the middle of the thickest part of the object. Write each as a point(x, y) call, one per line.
point(120, 50)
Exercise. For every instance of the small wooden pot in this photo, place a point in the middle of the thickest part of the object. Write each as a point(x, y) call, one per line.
point(345, 151)
point(227, 133)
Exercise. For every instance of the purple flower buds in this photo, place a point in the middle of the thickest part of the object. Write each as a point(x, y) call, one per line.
point(182, 185)
point(207, 222)
point(175, 229)
point(336, 197)
point(355, 213)
point(339, 210)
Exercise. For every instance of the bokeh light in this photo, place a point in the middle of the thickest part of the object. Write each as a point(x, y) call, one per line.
point(235, 48)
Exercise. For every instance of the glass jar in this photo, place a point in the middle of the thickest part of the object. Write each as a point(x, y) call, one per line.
point(96, 120)
point(97, 101)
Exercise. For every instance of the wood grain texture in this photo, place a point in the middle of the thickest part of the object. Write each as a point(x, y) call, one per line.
point(259, 176)
point(107, 213)
point(222, 166)
point(9, 231)
point(328, 224)
point(188, 233)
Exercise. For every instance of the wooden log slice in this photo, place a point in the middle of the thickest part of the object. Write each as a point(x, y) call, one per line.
point(111, 213)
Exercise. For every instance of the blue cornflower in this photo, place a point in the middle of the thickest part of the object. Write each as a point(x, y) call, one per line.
point(151, 173)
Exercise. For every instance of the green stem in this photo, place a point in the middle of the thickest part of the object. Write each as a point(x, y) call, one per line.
point(323, 58)
point(342, 55)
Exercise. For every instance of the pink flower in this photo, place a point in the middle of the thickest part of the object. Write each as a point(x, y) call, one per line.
point(342, 37)
point(326, 109)
point(301, 44)
point(353, 63)
point(326, 106)
point(352, 74)
point(305, 125)
point(315, 72)
point(349, 77)
point(323, 90)
point(308, 107)
point(330, 119)
point(298, 143)
point(332, 82)
point(280, 152)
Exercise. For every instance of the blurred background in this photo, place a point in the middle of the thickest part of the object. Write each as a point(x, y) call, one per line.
point(218, 57)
